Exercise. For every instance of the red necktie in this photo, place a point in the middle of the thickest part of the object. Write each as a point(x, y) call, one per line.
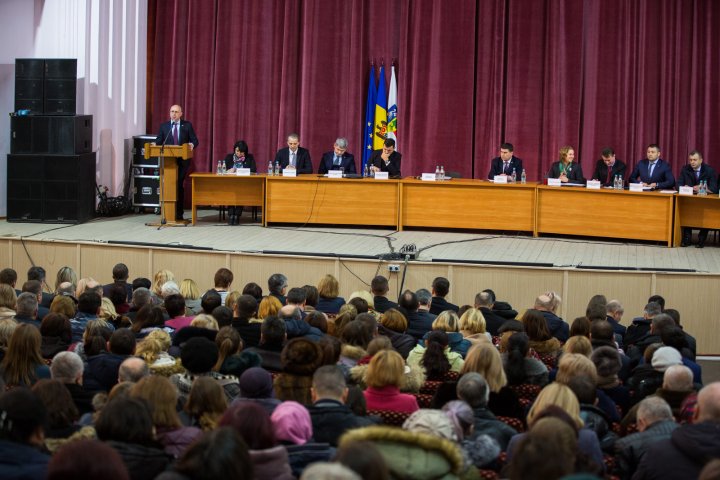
point(609, 175)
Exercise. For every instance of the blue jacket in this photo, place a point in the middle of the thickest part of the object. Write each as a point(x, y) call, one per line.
point(558, 328)
point(662, 174)
point(19, 461)
point(300, 328)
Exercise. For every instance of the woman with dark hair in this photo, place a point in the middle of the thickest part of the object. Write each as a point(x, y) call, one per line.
point(23, 363)
point(519, 366)
point(538, 333)
point(240, 158)
point(252, 422)
point(126, 425)
point(56, 335)
point(79, 459)
point(229, 459)
point(254, 290)
point(62, 412)
point(147, 319)
point(355, 338)
point(394, 325)
point(436, 358)
point(22, 422)
point(232, 360)
point(206, 403)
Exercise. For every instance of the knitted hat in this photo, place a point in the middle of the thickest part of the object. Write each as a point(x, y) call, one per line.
point(434, 422)
point(607, 361)
point(199, 355)
point(256, 382)
point(301, 356)
point(665, 357)
point(292, 423)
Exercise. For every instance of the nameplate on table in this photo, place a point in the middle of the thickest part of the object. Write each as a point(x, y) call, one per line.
point(500, 179)
point(635, 187)
point(428, 177)
point(686, 190)
point(554, 182)
point(381, 176)
point(335, 173)
point(289, 172)
point(593, 184)
point(242, 172)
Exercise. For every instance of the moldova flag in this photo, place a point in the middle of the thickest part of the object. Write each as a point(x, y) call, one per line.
point(380, 112)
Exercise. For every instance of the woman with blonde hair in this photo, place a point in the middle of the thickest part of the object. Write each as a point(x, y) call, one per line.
point(328, 291)
point(231, 359)
point(83, 284)
point(107, 310)
point(205, 321)
point(575, 364)
point(347, 314)
point(8, 301)
point(578, 344)
point(473, 327)
point(558, 396)
point(393, 325)
point(383, 379)
point(65, 305)
point(231, 299)
point(66, 274)
point(7, 327)
point(154, 350)
point(191, 293)
point(449, 323)
point(160, 279)
point(23, 364)
point(206, 403)
point(269, 306)
point(162, 396)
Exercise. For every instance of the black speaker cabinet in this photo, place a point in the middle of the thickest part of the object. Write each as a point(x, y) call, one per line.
point(51, 134)
point(46, 86)
point(51, 188)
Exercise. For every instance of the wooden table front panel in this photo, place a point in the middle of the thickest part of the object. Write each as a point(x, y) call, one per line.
point(605, 213)
point(468, 204)
point(313, 199)
point(212, 189)
point(696, 211)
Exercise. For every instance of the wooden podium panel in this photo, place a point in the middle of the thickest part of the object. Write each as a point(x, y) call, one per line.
point(346, 201)
point(468, 204)
point(697, 212)
point(213, 189)
point(169, 173)
point(605, 213)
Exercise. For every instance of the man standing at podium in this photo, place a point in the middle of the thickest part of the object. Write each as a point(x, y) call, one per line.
point(178, 132)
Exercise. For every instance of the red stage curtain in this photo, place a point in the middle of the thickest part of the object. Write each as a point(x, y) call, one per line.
point(471, 74)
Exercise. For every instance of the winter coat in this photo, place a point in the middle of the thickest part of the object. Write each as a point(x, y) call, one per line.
point(177, 440)
point(402, 342)
point(142, 463)
point(455, 359)
point(629, 450)
point(20, 461)
point(390, 398)
point(271, 464)
point(331, 419)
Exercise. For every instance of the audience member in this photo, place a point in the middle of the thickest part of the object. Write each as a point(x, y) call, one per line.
point(245, 321)
point(328, 292)
point(206, 404)
point(474, 390)
point(68, 368)
point(273, 334)
point(277, 287)
point(87, 458)
point(435, 358)
point(383, 380)
point(548, 304)
point(484, 302)
point(520, 367)
point(191, 294)
point(419, 320)
point(256, 385)
point(440, 289)
point(22, 430)
point(23, 364)
point(380, 287)
point(393, 325)
point(299, 359)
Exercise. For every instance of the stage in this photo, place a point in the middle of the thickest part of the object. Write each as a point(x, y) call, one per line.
point(517, 266)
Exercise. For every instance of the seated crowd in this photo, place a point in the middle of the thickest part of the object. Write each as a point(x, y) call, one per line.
point(152, 379)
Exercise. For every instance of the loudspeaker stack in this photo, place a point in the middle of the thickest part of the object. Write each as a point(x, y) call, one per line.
point(51, 165)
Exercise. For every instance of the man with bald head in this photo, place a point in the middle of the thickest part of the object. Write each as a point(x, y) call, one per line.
point(689, 447)
point(177, 131)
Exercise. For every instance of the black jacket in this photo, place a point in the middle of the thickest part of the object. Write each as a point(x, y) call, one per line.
point(487, 423)
point(637, 330)
point(402, 342)
point(629, 450)
point(439, 305)
point(382, 304)
point(249, 331)
point(419, 323)
point(330, 419)
point(558, 328)
point(492, 320)
point(689, 448)
point(142, 462)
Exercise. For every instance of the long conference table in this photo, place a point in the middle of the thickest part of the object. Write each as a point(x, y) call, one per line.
point(461, 204)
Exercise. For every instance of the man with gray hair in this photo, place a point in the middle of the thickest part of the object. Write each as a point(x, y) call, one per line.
point(26, 309)
point(484, 302)
point(294, 155)
point(329, 414)
point(690, 446)
point(68, 368)
point(132, 369)
point(419, 321)
point(474, 390)
point(277, 286)
point(615, 313)
point(35, 287)
point(141, 296)
point(338, 158)
point(659, 323)
point(654, 422)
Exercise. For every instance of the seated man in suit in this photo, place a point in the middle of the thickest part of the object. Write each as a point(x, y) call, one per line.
point(386, 159)
point(653, 171)
point(506, 163)
point(338, 158)
point(691, 175)
point(294, 155)
point(608, 167)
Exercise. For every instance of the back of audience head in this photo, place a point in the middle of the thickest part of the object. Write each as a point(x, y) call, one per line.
point(548, 451)
point(210, 301)
point(273, 331)
point(580, 326)
point(607, 362)
point(295, 296)
point(472, 321)
point(22, 356)
point(301, 356)
point(89, 303)
point(434, 360)
point(596, 302)
point(424, 297)
point(153, 345)
point(61, 410)
point(356, 334)
point(441, 286)
point(535, 325)
point(8, 297)
point(559, 395)
point(8, 277)
point(292, 423)
point(269, 306)
point(381, 342)
point(484, 300)
point(318, 320)
point(329, 383)
point(67, 367)
point(205, 321)
point(141, 282)
point(122, 342)
point(223, 315)
point(126, 419)
point(485, 359)
point(393, 320)
point(518, 346)
point(199, 355)
point(206, 402)
point(175, 305)
point(254, 290)
point(332, 349)
point(246, 306)
point(311, 295)
point(584, 389)
point(347, 314)
point(133, 369)
point(27, 305)
point(461, 416)
point(24, 417)
point(223, 278)
point(328, 287)
point(678, 378)
point(290, 312)
point(474, 390)
point(548, 301)
point(708, 405)
point(253, 424)
point(230, 457)
point(379, 285)
point(659, 300)
point(161, 396)
point(652, 309)
point(386, 368)
point(409, 301)
point(447, 321)
point(277, 283)
point(80, 459)
point(362, 295)
point(574, 364)
point(579, 344)
point(652, 409)
point(229, 343)
point(256, 382)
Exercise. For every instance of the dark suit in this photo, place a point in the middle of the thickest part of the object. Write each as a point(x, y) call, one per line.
point(662, 175)
point(601, 172)
point(439, 305)
point(248, 161)
point(393, 167)
point(303, 164)
point(574, 174)
point(689, 179)
point(382, 304)
point(497, 167)
point(185, 135)
point(347, 162)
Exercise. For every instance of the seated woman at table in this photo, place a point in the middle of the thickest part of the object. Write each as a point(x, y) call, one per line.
point(566, 169)
point(240, 158)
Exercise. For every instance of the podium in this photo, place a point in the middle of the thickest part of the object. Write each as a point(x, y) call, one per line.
point(168, 177)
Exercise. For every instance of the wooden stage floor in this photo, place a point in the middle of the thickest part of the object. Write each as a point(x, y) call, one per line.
point(452, 246)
